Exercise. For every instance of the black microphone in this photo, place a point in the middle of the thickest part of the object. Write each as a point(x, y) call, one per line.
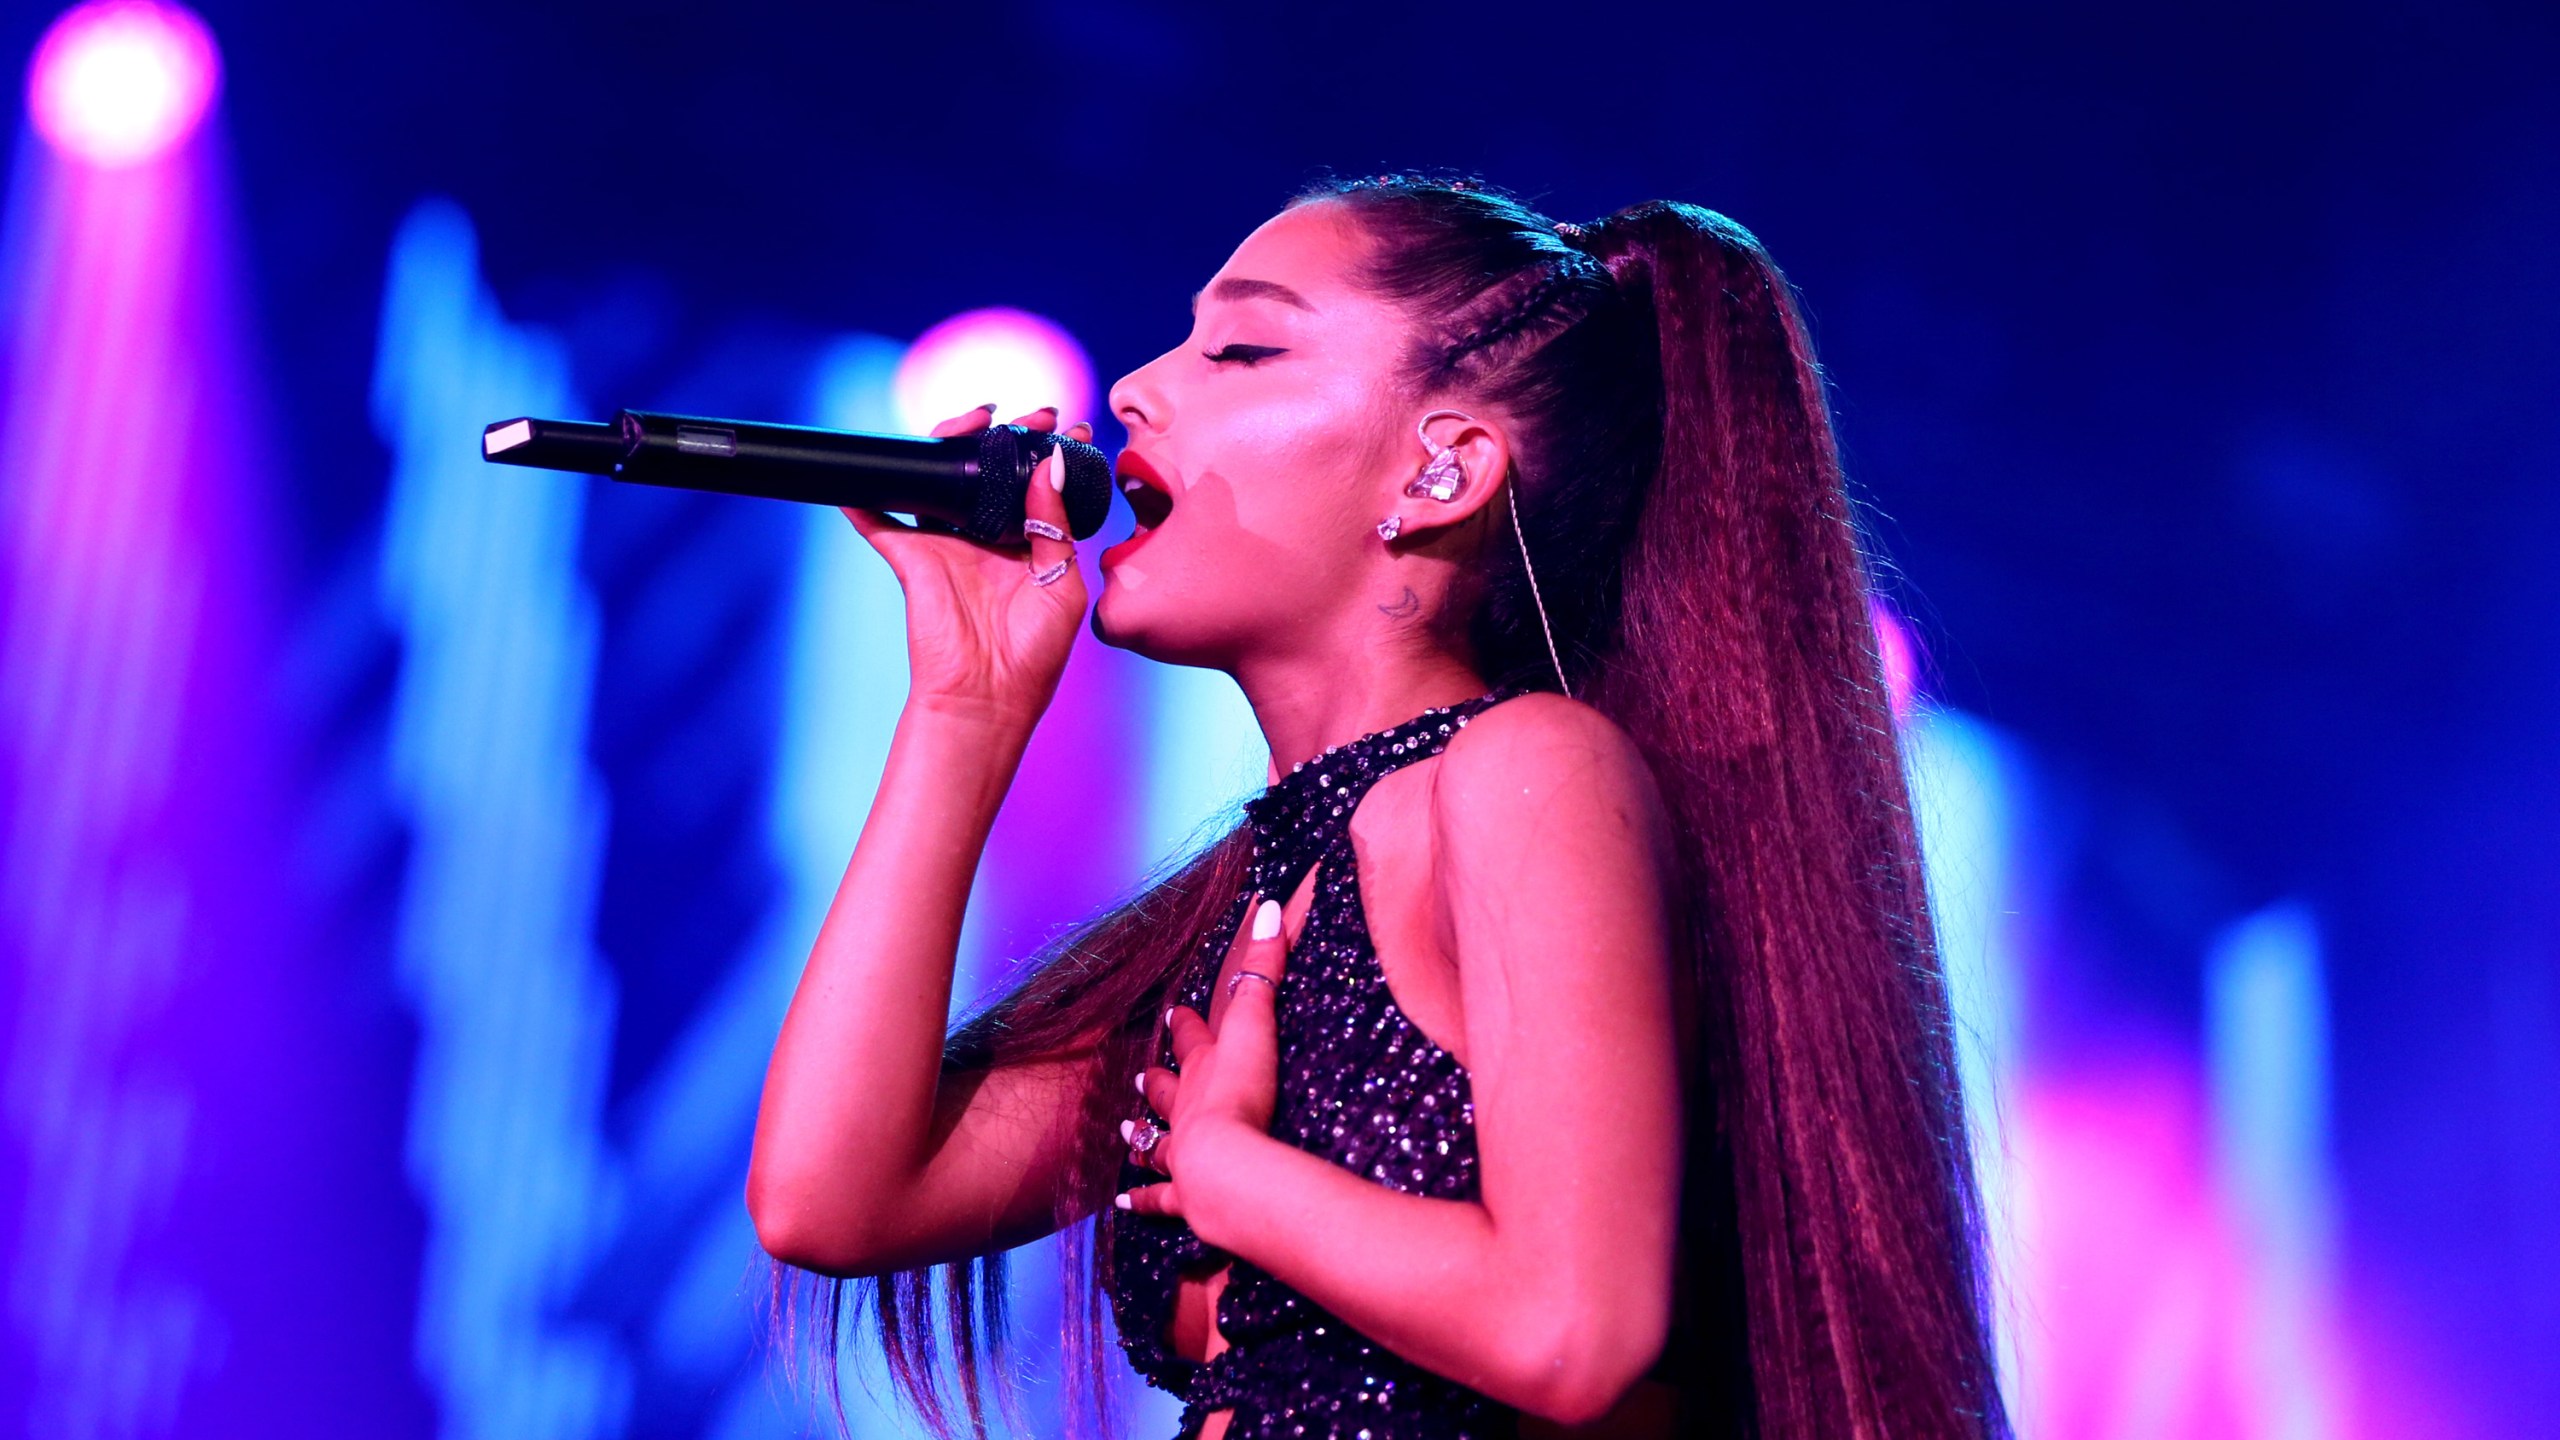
point(972, 483)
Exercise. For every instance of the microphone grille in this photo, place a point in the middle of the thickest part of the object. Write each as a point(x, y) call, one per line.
point(1007, 458)
point(1088, 488)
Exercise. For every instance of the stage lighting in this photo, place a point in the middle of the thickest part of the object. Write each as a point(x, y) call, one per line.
point(1900, 654)
point(1019, 360)
point(119, 82)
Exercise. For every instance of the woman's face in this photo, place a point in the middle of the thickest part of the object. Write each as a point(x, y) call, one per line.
point(1266, 444)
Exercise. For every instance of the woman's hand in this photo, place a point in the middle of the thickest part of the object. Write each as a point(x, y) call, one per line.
point(1220, 1102)
point(981, 636)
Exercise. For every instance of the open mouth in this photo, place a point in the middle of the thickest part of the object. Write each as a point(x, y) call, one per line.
point(1150, 499)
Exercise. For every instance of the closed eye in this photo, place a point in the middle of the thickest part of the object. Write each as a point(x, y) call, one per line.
point(1244, 354)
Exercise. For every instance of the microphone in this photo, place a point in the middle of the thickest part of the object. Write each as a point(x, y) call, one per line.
point(971, 483)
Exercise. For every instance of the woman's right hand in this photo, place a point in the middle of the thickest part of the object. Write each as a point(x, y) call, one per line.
point(981, 637)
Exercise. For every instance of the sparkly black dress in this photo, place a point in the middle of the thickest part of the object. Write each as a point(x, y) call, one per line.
point(1359, 1086)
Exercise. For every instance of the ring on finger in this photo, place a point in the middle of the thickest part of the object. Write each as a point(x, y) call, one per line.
point(1048, 574)
point(1242, 976)
point(1034, 525)
point(1144, 1137)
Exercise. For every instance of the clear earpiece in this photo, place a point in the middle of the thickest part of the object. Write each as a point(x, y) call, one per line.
point(1442, 476)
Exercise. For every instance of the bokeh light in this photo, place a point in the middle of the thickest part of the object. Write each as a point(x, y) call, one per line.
point(1019, 360)
point(1900, 654)
point(120, 82)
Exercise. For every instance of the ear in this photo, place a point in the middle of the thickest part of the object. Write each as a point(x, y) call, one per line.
point(1484, 456)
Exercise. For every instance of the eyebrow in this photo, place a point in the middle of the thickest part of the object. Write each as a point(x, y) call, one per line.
point(1237, 288)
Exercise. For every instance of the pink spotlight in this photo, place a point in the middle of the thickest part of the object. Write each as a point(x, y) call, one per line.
point(1019, 360)
point(119, 82)
point(1901, 656)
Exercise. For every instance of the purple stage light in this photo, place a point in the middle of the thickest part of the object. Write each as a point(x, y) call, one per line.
point(122, 82)
point(1015, 358)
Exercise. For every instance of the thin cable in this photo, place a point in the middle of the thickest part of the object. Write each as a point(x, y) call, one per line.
point(1543, 627)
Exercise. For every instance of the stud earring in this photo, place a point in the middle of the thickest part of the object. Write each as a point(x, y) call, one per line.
point(1443, 477)
point(1388, 527)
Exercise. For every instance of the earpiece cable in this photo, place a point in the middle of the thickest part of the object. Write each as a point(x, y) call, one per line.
point(1534, 598)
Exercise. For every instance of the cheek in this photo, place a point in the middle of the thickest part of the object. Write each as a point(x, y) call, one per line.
point(1278, 480)
point(1294, 465)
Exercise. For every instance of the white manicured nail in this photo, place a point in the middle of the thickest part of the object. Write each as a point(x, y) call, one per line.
point(1121, 1200)
point(1168, 1018)
point(1128, 1128)
point(1058, 471)
point(1266, 920)
point(1142, 1083)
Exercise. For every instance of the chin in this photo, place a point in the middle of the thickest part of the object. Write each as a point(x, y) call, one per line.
point(1104, 632)
point(1116, 623)
point(1126, 620)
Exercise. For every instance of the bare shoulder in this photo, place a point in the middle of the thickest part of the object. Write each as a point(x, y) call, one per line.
point(1539, 748)
point(1543, 766)
point(1556, 868)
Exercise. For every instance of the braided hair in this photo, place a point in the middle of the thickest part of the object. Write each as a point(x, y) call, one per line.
point(1557, 278)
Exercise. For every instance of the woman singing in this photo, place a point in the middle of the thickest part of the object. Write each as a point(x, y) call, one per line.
point(1558, 1043)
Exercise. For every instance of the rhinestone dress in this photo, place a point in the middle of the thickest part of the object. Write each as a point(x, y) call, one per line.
point(1359, 1086)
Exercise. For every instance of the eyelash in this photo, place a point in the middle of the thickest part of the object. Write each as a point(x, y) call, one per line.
point(1243, 354)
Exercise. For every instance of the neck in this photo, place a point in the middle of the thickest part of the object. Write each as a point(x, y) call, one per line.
point(1306, 706)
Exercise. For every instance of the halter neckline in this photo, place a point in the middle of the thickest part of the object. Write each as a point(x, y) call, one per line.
point(1294, 819)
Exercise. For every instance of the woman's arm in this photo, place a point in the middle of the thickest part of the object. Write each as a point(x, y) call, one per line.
point(868, 1158)
point(1552, 1292)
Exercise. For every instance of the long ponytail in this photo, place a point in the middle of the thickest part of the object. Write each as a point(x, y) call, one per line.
point(1746, 669)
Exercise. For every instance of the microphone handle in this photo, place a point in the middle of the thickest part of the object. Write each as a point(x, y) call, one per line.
point(916, 475)
point(973, 483)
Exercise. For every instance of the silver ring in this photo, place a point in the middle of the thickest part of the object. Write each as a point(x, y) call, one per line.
point(1034, 525)
point(1048, 574)
point(1242, 976)
point(1144, 1138)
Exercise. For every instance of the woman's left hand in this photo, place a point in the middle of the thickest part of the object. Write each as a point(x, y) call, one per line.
point(1230, 1071)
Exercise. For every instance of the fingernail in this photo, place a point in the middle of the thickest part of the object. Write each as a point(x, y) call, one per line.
point(1121, 1200)
point(1128, 1128)
point(989, 407)
point(1168, 1015)
point(1046, 410)
point(1058, 471)
point(1142, 1082)
point(1266, 920)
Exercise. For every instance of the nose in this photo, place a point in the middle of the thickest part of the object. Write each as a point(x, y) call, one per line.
point(1138, 400)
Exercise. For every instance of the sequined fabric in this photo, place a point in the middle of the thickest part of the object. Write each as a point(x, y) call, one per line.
point(1359, 1086)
